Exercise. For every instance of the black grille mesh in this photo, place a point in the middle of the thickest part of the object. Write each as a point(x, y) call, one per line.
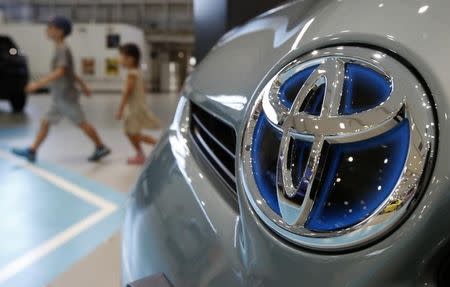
point(217, 142)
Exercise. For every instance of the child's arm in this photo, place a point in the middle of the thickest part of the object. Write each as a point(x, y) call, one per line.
point(44, 81)
point(84, 88)
point(129, 88)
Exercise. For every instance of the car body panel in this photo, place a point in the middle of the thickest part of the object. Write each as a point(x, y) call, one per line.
point(225, 84)
point(194, 236)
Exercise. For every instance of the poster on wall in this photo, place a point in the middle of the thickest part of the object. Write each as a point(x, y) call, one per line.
point(88, 66)
point(112, 41)
point(112, 67)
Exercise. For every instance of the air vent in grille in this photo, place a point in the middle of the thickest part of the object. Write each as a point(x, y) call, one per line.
point(217, 141)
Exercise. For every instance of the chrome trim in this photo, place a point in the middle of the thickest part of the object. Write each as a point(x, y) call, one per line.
point(408, 99)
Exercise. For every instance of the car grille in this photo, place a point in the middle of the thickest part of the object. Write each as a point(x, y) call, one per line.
point(216, 141)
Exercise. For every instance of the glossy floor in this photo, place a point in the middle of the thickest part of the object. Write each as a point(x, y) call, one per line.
point(61, 216)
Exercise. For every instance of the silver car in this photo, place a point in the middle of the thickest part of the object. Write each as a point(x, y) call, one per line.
point(308, 149)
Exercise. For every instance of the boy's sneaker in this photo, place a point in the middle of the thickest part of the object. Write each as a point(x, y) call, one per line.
point(26, 153)
point(99, 153)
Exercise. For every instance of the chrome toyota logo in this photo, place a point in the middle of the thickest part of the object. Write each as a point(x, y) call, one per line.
point(337, 147)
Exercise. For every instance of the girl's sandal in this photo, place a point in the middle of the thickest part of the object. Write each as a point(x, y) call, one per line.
point(137, 160)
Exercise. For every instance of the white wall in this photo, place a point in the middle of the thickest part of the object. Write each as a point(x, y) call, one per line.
point(87, 40)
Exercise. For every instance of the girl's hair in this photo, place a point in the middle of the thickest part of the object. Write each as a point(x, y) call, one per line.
point(131, 50)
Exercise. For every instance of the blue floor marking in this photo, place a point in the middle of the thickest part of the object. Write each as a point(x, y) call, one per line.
point(63, 213)
point(30, 208)
point(8, 132)
point(94, 187)
point(48, 268)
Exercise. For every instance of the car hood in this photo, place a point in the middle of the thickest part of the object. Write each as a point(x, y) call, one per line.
point(226, 80)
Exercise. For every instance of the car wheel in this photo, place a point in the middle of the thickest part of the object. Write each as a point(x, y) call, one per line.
point(18, 102)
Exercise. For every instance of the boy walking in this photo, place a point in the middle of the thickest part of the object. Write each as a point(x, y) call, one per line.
point(63, 89)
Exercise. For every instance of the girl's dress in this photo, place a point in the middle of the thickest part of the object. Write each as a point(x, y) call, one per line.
point(136, 115)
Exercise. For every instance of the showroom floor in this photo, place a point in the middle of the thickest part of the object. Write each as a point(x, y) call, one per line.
point(61, 217)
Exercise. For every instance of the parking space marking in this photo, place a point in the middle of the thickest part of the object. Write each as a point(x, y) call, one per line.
point(106, 208)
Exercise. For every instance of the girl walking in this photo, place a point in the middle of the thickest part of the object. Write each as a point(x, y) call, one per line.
point(133, 107)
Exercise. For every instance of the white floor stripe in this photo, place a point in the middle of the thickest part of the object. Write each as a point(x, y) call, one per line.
point(106, 208)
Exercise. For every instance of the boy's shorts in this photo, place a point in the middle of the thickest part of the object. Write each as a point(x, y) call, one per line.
point(71, 110)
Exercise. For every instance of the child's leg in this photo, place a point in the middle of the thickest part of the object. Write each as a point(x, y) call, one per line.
point(90, 131)
point(100, 149)
point(30, 153)
point(74, 112)
point(136, 142)
point(147, 139)
point(41, 135)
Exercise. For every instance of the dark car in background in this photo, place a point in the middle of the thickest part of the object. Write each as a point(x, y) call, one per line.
point(13, 74)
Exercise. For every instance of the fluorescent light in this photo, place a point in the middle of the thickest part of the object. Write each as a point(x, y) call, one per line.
point(423, 9)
